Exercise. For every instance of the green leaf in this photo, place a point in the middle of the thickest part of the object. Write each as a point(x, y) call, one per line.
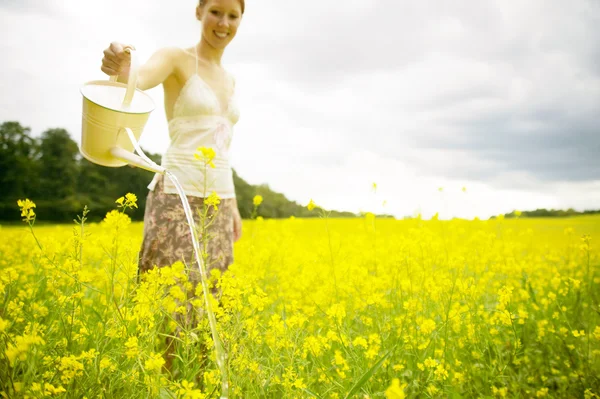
point(366, 376)
point(308, 391)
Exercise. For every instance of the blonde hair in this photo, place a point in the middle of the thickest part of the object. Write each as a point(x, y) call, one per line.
point(242, 3)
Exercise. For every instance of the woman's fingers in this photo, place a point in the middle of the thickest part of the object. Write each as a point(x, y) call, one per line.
point(110, 64)
point(109, 71)
point(237, 227)
point(117, 57)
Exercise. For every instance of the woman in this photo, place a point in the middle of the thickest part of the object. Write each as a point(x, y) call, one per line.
point(201, 113)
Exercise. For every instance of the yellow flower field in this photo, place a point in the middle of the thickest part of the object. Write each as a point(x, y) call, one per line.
point(326, 308)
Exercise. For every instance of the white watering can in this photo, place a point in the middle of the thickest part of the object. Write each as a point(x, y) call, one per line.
point(113, 120)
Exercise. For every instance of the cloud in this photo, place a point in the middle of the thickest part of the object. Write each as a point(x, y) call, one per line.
point(502, 97)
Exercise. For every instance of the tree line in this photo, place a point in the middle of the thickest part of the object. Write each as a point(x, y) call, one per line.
point(50, 171)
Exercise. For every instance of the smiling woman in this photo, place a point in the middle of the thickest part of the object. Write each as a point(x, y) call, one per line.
point(201, 112)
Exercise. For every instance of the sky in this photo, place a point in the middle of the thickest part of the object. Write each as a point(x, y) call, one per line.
point(501, 98)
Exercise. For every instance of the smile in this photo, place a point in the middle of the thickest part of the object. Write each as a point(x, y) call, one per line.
point(221, 35)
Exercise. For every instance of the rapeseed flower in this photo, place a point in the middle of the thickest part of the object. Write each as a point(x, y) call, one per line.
point(395, 390)
point(116, 220)
point(27, 212)
point(206, 155)
point(129, 201)
point(213, 200)
point(154, 362)
point(444, 293)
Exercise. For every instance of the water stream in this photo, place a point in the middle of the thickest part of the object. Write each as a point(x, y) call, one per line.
point(218, 346)
point(219, 351)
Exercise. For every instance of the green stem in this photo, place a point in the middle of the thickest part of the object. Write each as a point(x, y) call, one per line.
point(331, 256)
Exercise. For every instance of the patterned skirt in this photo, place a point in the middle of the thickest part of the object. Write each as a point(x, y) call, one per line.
point(167, 237)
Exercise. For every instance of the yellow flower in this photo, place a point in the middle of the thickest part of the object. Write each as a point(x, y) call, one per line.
point(51, 390)
point(441, 372)
point(115, 219)
point(27, 212)
point(18, 350)
point(107, 363)
point(311, 205)
point(395, 391)
point(542, 393)
point(258, 199)
point(459, 377)
point(360, 341)
point(337, 311)
point(70, 368)
point(504, 297)
point(432, 389)
point(129, 201)
point(154, 362)
point(207, 155)
point(214, 200)
point(427, 326)
point(132, 347)
point(299, 383)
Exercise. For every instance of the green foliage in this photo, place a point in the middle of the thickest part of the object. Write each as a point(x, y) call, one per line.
point(541, 213)
point(58, 167)
point(18, 153)
point(50, 171)
point(275, 205)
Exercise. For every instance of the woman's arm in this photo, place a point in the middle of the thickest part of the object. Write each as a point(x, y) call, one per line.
point(117, 61)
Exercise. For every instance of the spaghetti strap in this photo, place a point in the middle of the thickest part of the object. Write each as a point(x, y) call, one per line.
point(195, 55)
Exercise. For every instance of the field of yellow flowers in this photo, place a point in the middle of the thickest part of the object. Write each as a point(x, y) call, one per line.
point(311, 308)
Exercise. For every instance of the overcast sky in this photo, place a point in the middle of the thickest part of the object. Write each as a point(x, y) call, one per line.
point(500, 97)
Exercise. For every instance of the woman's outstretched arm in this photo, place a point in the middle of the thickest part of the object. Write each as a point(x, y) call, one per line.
point(117, 61)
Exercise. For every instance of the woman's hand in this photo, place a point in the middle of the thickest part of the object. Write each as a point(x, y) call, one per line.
point(237, 225)
point(117, 59)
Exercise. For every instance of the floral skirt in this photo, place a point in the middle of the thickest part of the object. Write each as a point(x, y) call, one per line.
point(167, 237)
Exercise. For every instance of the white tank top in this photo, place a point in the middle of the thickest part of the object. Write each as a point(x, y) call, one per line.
point(199, 121)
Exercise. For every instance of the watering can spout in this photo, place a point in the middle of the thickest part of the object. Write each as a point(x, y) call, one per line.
point(135, 160)
point(141, 160)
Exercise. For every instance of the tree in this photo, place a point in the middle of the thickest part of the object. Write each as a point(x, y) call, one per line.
point(58, 160)
point(18, 152)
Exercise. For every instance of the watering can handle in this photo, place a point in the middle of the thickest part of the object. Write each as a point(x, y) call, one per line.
point(132, 81)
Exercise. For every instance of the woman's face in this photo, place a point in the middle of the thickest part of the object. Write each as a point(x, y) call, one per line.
point(220, 21)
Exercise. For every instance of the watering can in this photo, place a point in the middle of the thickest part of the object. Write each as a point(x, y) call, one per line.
point(114, 115)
